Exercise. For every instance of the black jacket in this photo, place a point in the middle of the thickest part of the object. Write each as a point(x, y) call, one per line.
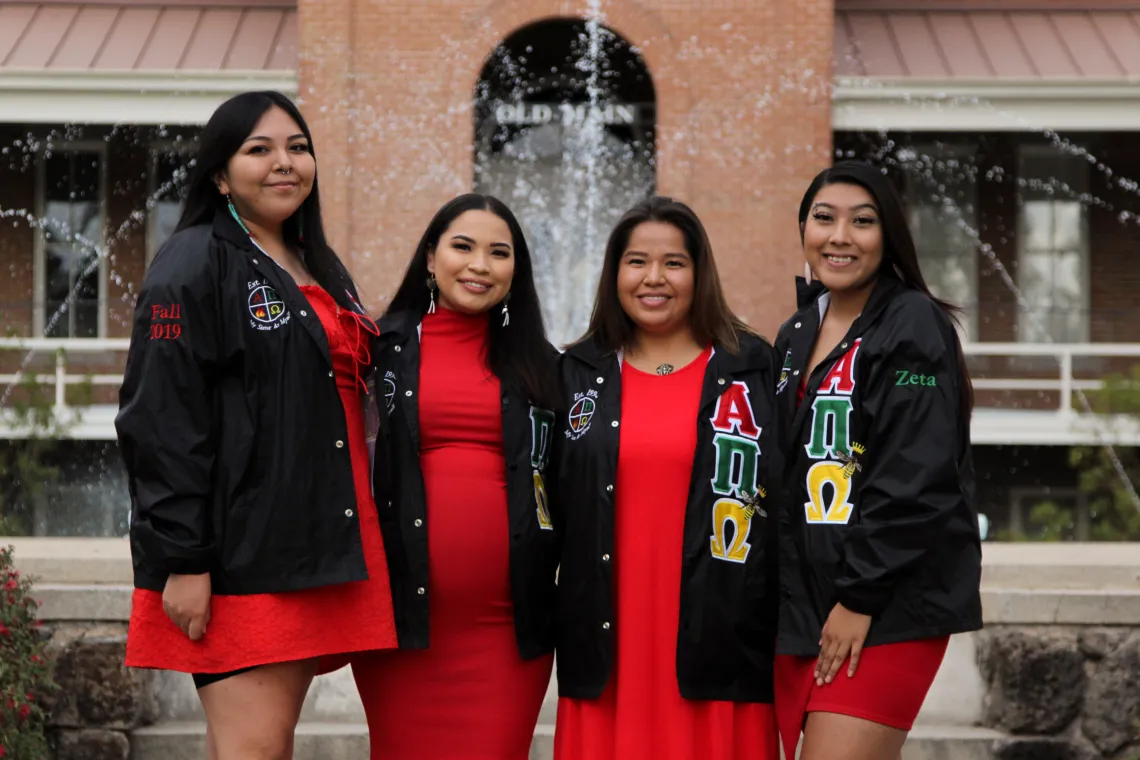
point(725, 641)
point(399, 486)
point(230, 425)
point(880, 512)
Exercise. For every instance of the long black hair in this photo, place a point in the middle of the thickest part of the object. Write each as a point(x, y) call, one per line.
point(710, 318)
point(220, 140)
point(900, 256)
point(518, 354)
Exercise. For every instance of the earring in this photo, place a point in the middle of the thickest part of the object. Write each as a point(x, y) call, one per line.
point(506, 314)
point(431, 286)
point(234, 214)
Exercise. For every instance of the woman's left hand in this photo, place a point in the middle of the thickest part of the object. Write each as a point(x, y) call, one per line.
point(843, 635)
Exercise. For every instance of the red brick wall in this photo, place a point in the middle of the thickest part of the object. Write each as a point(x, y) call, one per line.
point(1115, 254)
point(741, 127)
point(128, 169)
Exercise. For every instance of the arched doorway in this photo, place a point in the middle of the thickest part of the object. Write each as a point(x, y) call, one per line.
point(565, 113)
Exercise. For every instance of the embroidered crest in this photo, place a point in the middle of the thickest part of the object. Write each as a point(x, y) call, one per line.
point(390, 391)
point(266, 309)
point(735, 474)
point(581, 413)
point(829, 480)
point(541, 425)
point(784, 373)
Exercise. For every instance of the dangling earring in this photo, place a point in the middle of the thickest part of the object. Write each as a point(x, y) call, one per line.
point(431, 289)
point(506, 314)
point(234, 214)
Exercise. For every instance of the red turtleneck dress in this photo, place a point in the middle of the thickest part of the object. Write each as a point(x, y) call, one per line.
point(641, 715)
point(259, 629)
point(469, 696)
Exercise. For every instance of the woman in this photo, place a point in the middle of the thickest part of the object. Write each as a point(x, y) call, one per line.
point(471, 384)
point(255, 538)
point(880, 557)
point(667, 455)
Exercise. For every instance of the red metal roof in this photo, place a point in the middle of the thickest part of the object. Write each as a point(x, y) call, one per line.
point(987, 44)
point(136, 36)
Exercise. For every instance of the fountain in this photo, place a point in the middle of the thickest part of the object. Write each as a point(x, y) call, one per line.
point(565, 116)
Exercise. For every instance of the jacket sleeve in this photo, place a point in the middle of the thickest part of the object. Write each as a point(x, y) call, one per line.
point(166, 414)
point(910, 485)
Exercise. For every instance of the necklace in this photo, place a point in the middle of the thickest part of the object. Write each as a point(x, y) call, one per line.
point(664, 369)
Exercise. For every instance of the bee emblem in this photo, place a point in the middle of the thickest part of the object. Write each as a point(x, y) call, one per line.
point(851, 463)
point(752, 502)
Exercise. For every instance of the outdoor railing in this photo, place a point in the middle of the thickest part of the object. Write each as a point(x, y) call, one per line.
point(1047, 369)
point(1044, 376)
point(23, 359)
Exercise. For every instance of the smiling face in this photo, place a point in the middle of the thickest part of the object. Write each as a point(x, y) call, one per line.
point(655, 278)
point(843, 237)
point(272, 173)
point(473, 263)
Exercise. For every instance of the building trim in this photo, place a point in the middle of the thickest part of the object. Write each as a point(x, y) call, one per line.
point(282, 4)
point(48, 96)
point(1004, 6)
point(961, 105)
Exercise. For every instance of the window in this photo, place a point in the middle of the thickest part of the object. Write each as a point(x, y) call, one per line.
point(1053, 246)
point(168, 175)
point(71, 286)
point(941, 201)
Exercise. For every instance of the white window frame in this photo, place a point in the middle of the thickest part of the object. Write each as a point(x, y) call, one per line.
point(969, 327)
point(1021, 496)
point(155, 149)
point(1022, 331)
point(39, 249)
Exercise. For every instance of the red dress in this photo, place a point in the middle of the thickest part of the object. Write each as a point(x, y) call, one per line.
point(641, 715)
point(469, 696)
point(258, 629)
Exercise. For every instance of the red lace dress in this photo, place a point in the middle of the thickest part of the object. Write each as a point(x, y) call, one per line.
point(641, 715)
point(258, 629)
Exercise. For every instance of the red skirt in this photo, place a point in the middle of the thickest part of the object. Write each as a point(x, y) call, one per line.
point(889, 687)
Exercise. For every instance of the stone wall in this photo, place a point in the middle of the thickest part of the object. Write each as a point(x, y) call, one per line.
point(100, 701)
point(1062, 692)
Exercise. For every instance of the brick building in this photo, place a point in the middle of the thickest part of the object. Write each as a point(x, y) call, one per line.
point(1011, 128)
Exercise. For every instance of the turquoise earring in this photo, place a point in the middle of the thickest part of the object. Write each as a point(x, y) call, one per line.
point(234, 214)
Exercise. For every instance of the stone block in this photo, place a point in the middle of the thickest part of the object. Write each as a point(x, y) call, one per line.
point(1042, 748)
point(1036, 679)
point(1098, 643)
point(1112, 703)
point(92, 744)
point(95, 687)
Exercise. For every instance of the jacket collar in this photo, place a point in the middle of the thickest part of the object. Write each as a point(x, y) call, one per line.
point(592, 353)
point(807, 292)
point(399, 325)
point(227, 228)
point(887, 286)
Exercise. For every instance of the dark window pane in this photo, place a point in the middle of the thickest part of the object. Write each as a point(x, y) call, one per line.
point(73, 237)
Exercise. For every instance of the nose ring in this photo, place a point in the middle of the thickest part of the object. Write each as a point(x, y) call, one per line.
point(282, 169)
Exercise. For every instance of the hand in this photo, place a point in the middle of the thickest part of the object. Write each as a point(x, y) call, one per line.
point(843, 635)
point(186, 601)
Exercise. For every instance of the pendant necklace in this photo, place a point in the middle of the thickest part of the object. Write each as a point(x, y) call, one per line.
point(664, 369)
